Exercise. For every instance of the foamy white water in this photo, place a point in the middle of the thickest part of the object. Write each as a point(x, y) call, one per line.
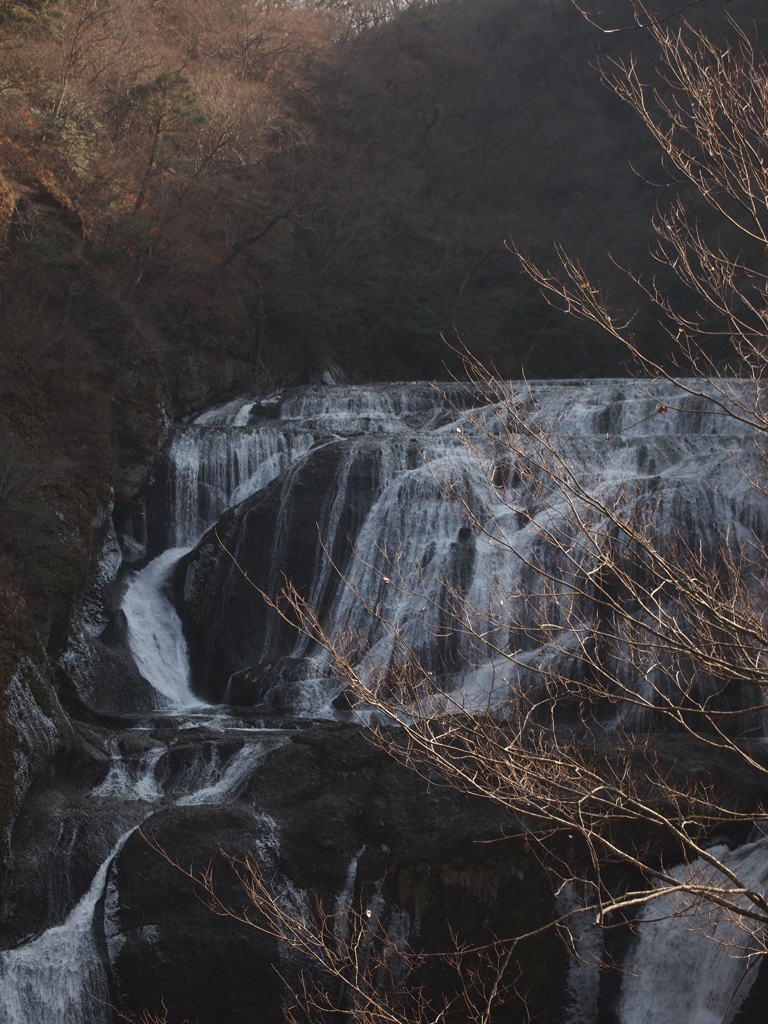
point(59, 978)
point(215, 466)
point(155, 635)
point(133, 780)
point(223, 784)
point(687, 968)
point(675, 446)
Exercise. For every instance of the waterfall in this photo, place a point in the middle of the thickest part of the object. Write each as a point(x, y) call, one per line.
point(218, 785)
point(214, 467)
point(208, 776)
point(59, 978)
point(414, 540)
point(154, 632)
point(413, 543)
point(381, 409)
point(213, 463)
point(691, 963)
point(411, 547)
point(130, 781)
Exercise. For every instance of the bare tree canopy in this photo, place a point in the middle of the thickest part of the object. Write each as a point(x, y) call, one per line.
point(598, 643)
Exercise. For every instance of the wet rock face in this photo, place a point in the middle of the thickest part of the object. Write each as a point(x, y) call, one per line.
point(166, 946)
point(332, 814)
point(279, 687)
point(332, 792)
point(105, 677)
point(97, 668)
point(274, 537)
point(57, 846)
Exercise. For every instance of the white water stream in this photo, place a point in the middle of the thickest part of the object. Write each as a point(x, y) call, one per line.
point(132, 780)
point(59, 978)
point(155, 634)
point(689, 964)
point(221, 784)
point(676, 974)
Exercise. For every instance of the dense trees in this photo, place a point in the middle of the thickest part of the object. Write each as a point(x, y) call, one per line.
point(396, 147)
point(196, 194)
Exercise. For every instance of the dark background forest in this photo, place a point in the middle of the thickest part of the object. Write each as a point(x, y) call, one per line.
point(203, 196)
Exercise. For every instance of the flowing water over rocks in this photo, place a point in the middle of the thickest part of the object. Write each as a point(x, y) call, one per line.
point(202, 721)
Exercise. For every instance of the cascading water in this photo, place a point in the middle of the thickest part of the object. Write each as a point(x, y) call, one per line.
point(212, 467)
point(223, 783)
point(411, 541)
point(132, 781)
point(214, 463)
point(388, 451)
point(59, 977)
point(689, 964)
point(154, 632)
point(407, 442)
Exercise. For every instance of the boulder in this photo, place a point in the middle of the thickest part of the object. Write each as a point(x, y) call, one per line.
point(334, 816)
point(273, 536)
point(165, 946)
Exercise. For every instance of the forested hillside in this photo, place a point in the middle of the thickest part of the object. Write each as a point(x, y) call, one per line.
point(203, 195)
